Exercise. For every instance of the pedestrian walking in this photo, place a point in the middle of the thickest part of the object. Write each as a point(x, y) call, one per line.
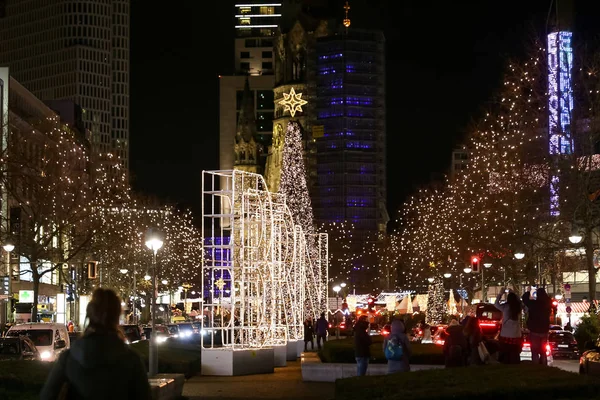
point(398, 337)
point(362, 343)
point(308, 335)
point(321, 329)
point(539, 308)
point(99, 365)
point(510, 339)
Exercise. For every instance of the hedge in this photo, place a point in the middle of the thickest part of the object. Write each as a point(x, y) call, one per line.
point(174, 357)
point(506, 382)
point(342, 351)
point(25, 379)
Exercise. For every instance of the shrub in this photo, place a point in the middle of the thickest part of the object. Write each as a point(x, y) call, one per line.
point(173, 357)
point(342, 351)
point(24, 375)
point(505, 382)
point(587, 331)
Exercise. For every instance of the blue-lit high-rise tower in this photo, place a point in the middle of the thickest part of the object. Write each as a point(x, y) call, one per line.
point(350, 107)
point(560, 95)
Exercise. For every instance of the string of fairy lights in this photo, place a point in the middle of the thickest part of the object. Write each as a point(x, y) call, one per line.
point(75, 207)
point(500, 203)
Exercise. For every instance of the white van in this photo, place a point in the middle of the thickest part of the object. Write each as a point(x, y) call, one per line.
point(50, 339)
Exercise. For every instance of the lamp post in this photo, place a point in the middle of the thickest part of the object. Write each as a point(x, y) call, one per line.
point(337, 289)
point(466, 270)
point(186, 287)
point(154, 242)
point(487, 263)
point(8, 247)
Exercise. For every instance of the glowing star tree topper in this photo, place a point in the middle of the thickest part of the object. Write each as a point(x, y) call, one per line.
point(292, 102)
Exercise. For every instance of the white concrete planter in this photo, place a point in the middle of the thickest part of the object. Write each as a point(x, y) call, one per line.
point(227, 362)
point(313, 370)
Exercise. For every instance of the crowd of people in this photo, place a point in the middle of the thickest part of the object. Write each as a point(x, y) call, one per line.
point(464, 342)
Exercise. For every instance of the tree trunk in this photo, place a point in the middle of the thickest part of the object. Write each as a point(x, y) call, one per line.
point(589, 260)
point(36, 289)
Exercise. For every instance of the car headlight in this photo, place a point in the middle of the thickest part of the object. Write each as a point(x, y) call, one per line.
point(161, 339)
point(45, 355)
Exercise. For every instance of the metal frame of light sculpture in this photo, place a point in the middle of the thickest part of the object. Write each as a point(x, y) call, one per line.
point(262, 256)
point(560, 104)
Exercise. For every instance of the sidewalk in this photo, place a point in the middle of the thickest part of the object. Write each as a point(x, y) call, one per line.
point(285, 383)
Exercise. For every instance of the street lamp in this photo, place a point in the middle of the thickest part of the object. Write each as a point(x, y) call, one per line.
point(8, 247)
point(447, 275)
point(467, 270)
point(519, 255)
point(431, 279)
point(124, 271)
point(154, 242)
point(576, 236)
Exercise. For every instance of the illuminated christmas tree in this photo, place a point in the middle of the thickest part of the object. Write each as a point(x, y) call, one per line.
point(294, 179)
point(435, 302)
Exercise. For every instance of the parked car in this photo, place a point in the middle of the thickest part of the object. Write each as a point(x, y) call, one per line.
point(133, 333)
point(346, 329)
point(589, 362)
point(18, 348)
point(49, 338)
point(563, 344)
point(526, 350)
point(490, 319)
point(162, 333)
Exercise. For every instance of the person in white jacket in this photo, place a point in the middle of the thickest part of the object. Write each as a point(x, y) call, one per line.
point(510, 334)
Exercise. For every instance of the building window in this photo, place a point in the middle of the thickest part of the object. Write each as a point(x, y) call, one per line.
point(267, 54)
point(267, 65)
point(245, 54)
point(245, 66)
point(264, 100)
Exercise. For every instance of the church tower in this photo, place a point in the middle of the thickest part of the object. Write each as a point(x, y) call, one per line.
point(247, 150)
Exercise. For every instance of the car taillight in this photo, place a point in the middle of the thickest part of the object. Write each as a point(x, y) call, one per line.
point(487, 324)
point(330, 325)
point(548, 350)
point(526, 344)
point(420, 331)
point(384, 332)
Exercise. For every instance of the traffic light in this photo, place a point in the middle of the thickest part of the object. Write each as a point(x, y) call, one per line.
point(475, 265)
point(370, 303)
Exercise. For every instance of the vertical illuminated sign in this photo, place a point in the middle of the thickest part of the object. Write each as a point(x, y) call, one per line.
point(560, 103)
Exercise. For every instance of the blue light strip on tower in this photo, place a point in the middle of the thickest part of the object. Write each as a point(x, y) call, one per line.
point(560, 103)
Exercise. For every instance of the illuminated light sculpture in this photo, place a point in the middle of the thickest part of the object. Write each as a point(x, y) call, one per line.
point(560, 103)
point(253, 274)
point(292, 102)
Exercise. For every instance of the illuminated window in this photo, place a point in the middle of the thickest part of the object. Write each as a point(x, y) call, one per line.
point(267, 10)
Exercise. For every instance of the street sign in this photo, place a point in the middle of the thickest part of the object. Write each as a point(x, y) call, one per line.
point(568, 309)
point(567, 295)
point(567, 287)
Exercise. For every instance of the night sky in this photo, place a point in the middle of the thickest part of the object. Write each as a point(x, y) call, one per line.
point(444, 62)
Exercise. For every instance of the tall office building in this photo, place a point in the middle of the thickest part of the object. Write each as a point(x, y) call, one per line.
point(351, 175)
point(256, 23)
point(74, 50)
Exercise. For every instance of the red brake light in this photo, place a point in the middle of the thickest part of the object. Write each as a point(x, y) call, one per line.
point(526, 344)
point(548, 350)
point(487, 324)
point(330, 325)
